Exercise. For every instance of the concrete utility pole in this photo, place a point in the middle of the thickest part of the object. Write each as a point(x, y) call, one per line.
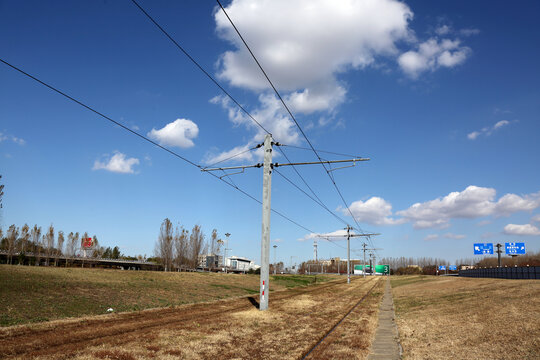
point(225, 252)
point(275, 261)
point(349, 236)
point(266, 209)
point(265, 241)
point(315, 250)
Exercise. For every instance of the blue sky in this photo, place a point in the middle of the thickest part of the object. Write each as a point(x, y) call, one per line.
point(442, 96)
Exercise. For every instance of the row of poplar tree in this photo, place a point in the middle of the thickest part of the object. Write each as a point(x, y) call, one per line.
point(177, 248)
point(26, 241)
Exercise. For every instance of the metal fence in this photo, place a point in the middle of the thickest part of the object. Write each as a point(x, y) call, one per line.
point(528, 272)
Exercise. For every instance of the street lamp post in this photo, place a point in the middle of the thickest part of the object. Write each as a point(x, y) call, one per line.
point(225, 252)
point(275, 263)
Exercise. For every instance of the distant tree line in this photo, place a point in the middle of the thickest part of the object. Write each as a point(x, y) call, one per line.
point(177, 248)
point(27, 245)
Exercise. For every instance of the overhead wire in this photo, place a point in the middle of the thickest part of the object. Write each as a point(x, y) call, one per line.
point(184, 51)
point(359, 228)
point(175, 154)
point(320, 151)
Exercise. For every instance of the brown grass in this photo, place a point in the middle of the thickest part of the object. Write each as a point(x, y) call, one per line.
point(37, 294)
point(466, 318)
point(232, 329)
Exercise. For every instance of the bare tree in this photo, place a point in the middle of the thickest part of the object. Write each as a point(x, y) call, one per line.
point(196, 245)
point(97, 250)
point(12, 236)
point(49, 243)
point(36, 243)
point(164, 246)
point(60, 245)
point(23, 239)
point(181, 245)
point(214, 244)
point(71, 245)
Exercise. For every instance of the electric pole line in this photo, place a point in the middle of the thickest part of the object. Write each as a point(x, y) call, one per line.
point(364, 250)
point(266, 208)
point(349, 236)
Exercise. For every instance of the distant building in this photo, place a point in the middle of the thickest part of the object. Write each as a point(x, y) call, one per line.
point(240, 263)
point(210, 261)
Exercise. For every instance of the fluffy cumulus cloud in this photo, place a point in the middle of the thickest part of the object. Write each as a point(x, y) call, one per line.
point(303, 45)
point(433, 54)
point(375, 210)
point(179, 133)
point(471, 203)
point(488, 130)
point(117, 163)
point(523, 230)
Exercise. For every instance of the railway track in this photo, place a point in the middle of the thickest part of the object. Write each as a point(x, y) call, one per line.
point(311, 353)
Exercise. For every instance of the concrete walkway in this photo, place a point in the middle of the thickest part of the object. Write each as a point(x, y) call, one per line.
point(386, 346)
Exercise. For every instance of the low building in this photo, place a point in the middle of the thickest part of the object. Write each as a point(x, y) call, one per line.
point(240, 264)
point(210, 261)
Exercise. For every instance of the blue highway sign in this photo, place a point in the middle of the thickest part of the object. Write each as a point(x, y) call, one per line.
point(452, 267)
point(514, 248)
point(481, 249)
point(442, 267)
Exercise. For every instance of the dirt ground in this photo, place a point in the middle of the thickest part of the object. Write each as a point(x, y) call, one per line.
point(225, 329)
point(467, 318)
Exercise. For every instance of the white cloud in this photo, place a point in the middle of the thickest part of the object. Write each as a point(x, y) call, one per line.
point(473, 202)
point(270, 114)
point(433, 54)
point(278, 240)
point(488, 130)
point(375, 210)
point(305, 44)
point(431, 237)
point(245, 155)
point(334, 235)
point(117, 163)
point(469, 32)
point(180, 133)
point(511, 203)
point(443, 30)
point(536, 218)
point(16, 140)
point(454, 236)
point(523, 230)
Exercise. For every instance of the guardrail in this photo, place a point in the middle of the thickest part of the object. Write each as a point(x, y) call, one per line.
point(525, 272)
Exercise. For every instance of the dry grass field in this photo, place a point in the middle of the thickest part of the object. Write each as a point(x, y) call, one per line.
point(35, 294)
point(223, 329)
point(467, 318)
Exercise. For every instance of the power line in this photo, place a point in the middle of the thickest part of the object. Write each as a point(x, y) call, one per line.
point(228, 94)
point(321, 151)
point(199, 66)
point(146, 139)
point(290, 113)
point(232, 157)
point(305, 193)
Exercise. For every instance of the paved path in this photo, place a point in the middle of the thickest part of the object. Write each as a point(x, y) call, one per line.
point(385, 346)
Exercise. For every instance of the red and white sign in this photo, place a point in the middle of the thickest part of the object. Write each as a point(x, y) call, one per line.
point(88, 242)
